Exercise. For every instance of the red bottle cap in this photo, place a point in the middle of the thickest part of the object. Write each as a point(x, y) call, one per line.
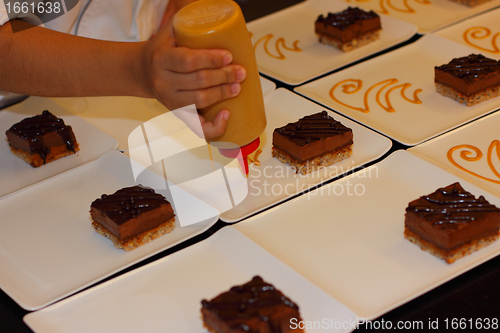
point(241, 153)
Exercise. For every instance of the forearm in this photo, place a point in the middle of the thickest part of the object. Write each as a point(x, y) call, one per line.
point(42, 62)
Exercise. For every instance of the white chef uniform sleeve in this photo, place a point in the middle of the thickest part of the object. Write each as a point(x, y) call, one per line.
point(126, 20)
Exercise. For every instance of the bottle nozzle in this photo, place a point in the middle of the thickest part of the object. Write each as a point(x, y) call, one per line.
point(242, 153)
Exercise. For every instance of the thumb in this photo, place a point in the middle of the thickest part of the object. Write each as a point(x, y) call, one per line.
point(217, 127)
point(166, 33)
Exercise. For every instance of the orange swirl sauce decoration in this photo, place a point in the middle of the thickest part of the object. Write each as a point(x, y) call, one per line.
point(350, 88)
point(482, 33)
point(406, 7)
point(280, 43)
point(255, 158)
point(474, 154)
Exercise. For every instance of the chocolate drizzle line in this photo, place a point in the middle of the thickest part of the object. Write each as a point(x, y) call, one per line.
point(247, 301)
point(313, 128)
point(471, 67)
point(129, 202)
point(346, 18)
point(34, 128)
point(451, 206)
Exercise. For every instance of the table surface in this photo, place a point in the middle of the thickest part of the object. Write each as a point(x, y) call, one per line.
point(474, 295)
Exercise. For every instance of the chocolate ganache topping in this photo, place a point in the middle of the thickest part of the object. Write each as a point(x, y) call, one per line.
point(471, 67)
point(129, 202)
point(452, 206)
point(346, 18)
point(247, 301)
point(312, 128)
point(34, 128)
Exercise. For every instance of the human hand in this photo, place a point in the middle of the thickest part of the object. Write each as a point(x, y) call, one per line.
point(179, 76)
point(199, 125)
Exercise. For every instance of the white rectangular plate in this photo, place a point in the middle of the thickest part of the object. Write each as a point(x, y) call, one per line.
point(48, 248)
point(268, 86)
point(356, 90)
point(351, 239)
point(16, 174)
point(428, 15)
point(165, 296)
point(295, 26)
point(472, 152)
point(273, 182)
point(480, 32)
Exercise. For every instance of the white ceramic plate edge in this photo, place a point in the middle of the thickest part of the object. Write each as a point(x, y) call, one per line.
point(232, 218)
point(292, 82)
point(38, 305)
point(397, 155)
point(35, 320)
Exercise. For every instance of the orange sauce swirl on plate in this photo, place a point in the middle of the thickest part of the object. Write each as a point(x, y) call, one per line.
point(350, 88)
point(474, 154)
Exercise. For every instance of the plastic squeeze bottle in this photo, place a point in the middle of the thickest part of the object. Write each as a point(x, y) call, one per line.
point(219, 24)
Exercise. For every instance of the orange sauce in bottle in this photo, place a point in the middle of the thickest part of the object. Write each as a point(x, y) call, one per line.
point(219, 24)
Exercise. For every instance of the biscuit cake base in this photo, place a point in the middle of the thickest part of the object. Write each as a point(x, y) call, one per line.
point(35, 160)
point(474, 99)
point(352, 44)
point(450, 255)
point(316, 163)
point(138, 240)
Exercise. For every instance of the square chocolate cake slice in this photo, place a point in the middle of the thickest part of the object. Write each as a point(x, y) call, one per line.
point(132, 216)
point(348, 29)
point(451, 223)
point(313, 142)
point(42, 139)
point(255, 306)
point(469, 80)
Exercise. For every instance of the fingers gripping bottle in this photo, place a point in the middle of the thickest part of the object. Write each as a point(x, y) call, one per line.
point(219, 24)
